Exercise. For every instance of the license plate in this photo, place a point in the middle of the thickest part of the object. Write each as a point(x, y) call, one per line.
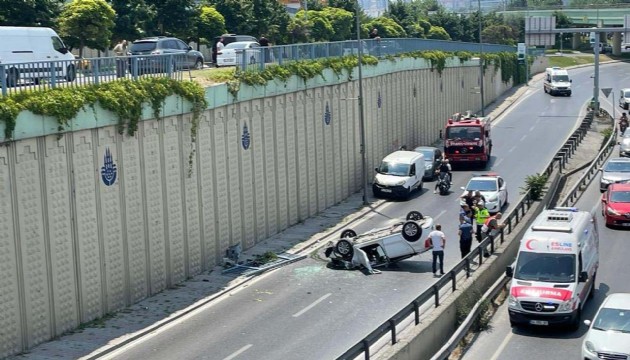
point(229, 60)
point(539, 322)
point(386, 190)
point(625, 224)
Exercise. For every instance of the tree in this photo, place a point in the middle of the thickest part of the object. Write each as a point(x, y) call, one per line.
point(499, 34)
point(237, 15)
point(173, 17)
point(341, 22)
point(270, 19)
point(438, 33)
point(208, 24)
point(132, 19)
point(387, 28)
point(30, 12)
point(299, 29)
point(319, 27)
point(87, 23)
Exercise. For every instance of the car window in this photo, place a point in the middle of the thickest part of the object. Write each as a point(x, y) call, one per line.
point(182, 45)
point(57, 43)
point(482, 185)
point(236, 45)
point(610, 319)
point(500, 183)
point(395, 169)
point(620, 196)
point(627, 94)
point(143, 46)
point(617, 166)
point(549, 267)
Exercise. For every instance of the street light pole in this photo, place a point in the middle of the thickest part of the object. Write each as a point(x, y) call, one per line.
point(483, 105)
point(596, 77)
point(360, 98)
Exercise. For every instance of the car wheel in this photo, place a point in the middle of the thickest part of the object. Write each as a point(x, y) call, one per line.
point(414, 215)
point(344, 248)
point(13, 77)
point(198, 64)
point(575, 325)
point(348, 233)
point(411, 231)
point(71, 73)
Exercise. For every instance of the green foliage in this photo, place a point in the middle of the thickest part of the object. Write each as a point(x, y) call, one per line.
point(265, 258)
point(30, 13)
point(465, 304)
point(535, 184)
point(341, 22)
point(506, 61)
point(499, 34)
point(387, 27)
point(132, 19)
point(87, 23)
point(208, 24)
point(172, 17)
point(438, 33)
point(606, 133)
point(124, 98)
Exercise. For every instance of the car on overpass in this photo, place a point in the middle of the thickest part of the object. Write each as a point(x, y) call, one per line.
point(615, 170)
point(616, 205)
point(608, 335)
point(492, 187)
point(432, 160)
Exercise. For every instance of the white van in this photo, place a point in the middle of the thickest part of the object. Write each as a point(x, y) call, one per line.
point(34, 44)
point(557, 81)
point(555, 269)
point(399, 174)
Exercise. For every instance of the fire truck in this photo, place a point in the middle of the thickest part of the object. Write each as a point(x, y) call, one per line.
point(467, 139)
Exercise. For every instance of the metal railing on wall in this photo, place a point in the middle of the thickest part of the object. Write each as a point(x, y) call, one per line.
point(434, 293)
point(40, 75)
point(255, 59)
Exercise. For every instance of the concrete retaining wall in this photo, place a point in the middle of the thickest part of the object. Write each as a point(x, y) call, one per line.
point(92, 221)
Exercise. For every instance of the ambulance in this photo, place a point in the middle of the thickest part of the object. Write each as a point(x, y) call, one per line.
point(555, 269)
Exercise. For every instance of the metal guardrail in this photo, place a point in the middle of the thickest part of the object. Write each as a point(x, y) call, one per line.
point(450, 279)
point(580, 186)
point(254, 59)
point(39, 75)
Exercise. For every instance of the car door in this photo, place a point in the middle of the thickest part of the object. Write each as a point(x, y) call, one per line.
point(185, 49)
point(502, 191)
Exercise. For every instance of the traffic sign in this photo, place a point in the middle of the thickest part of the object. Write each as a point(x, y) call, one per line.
point(606, 91)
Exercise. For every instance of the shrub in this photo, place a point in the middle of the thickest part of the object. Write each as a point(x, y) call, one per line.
point(535, 184)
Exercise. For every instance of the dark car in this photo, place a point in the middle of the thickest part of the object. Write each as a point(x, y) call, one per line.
point(161, 45)
point(227, 39)
point(432, 160)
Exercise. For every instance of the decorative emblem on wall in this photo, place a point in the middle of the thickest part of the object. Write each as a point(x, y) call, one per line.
point(246, 137)
point(327, 114)
point(108, 171)
point(379, 101)
point(415, 92)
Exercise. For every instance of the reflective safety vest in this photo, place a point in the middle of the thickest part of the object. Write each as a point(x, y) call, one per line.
point(486, 224)
point(481, 216)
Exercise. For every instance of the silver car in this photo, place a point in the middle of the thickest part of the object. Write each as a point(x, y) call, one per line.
point(624, 145)
point(616, 170)
point(608, 335)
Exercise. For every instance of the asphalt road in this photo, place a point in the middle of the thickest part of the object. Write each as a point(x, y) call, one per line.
point(308, 311)
point(503, 342)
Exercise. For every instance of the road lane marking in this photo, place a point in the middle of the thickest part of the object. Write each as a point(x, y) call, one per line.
point(512, 149)
point(312, 305)
point(238, 352)
point(441, 213)
point(501, 347)
point(532, 128)
point(497, 162)
point(523, 137)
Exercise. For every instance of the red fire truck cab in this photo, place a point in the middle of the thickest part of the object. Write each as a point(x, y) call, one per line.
point(467, 139)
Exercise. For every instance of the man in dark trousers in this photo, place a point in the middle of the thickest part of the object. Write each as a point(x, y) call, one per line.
point(465, 236)
point(264, 42)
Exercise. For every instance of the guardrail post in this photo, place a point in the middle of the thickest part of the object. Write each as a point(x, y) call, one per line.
point(467, 268)
point(53, 75)
point(263, 58)
point(3, 80)
point(491, 244)
point(436, 293)
point(95, 73)
point(169, 65)
point(502, 233)
point(392, 325)
point(509, 224)
point(480, 254)
point(453, 279)
point(416, 311)
point(517, 217)
point(134, 68)
point(366, 348)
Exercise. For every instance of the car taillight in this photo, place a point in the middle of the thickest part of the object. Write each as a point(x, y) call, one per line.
point(220, 53)
point(157, 52)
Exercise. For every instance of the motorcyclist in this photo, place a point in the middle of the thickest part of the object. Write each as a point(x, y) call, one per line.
point(623, 123)
point(444, 170)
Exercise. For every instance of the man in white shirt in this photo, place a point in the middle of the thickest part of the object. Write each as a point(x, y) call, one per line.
point(438, 241)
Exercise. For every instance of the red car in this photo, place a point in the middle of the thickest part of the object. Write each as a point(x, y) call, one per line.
point(616, 205)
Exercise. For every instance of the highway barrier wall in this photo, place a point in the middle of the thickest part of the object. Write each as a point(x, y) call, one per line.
point(92, 221)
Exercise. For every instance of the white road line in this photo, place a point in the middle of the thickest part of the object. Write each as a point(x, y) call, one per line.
point(501, 347)
point(238, 352)
point(512, 149)
point(312, 305)
point(532, 128)
point(441, 213)
point(523, 137)
point(498, 162)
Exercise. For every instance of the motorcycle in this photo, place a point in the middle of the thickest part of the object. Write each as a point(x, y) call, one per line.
point(622, 127)
point(444, 183)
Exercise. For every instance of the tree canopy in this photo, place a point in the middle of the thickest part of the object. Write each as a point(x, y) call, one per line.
point(30, 12)
point(87, 23)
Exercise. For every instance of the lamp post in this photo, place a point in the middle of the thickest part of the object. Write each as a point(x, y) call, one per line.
point(483, 105)
point(360, 98)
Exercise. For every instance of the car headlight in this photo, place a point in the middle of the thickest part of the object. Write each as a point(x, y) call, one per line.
point(493, 198)
point(567, 305)
point(606, 181)
point(428, 166)
point(376, 181)
point(401, 182)
point(611, 211)
point(512, 302)
point(589, 347)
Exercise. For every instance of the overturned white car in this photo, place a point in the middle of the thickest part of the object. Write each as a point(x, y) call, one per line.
point(383, 246)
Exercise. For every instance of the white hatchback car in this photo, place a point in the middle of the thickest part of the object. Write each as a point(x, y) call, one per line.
point(232, 53)
point(608, 335)
point(492, 187)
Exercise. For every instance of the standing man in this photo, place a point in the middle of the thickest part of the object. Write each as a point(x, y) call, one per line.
point(437, 239)
point(491, 226)
point(218, 46)
point(121, 48)
point(465, 236)
point(481, 216)
point(264, 42)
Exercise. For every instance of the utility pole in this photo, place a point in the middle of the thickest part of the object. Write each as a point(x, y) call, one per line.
point(360, 97)
point(483, 105)
point(596, 77)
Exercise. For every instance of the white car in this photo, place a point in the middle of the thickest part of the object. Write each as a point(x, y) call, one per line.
point(493, 189)
point(232, 53)
point(608, 335)
point(383, 246)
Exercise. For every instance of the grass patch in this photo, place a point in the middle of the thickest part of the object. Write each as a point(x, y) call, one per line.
point(566, 61)
point(212, 76)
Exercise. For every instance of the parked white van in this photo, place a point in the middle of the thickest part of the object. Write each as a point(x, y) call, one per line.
point(555, 269)
point(34, 44)
point(399, 174)
point(557, 81)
